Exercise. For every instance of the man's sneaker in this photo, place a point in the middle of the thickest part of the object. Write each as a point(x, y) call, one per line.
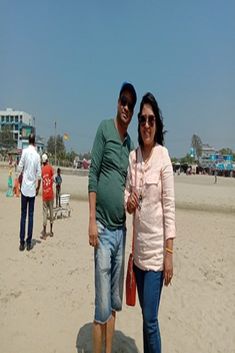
point(22, 247)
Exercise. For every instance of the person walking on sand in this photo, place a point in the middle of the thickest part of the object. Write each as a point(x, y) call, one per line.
point(9, 192)
point(29, 169)
point(107, 230)
point(215, 174)
point(149, 196)
point(58, 182)
point(47, 195)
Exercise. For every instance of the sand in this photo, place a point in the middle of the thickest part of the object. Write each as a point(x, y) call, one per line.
point(47, 294)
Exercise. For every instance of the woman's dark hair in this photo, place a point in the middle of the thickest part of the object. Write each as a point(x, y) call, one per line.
point(149, 98)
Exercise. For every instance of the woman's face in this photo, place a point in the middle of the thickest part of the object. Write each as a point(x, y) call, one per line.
point(148, 127)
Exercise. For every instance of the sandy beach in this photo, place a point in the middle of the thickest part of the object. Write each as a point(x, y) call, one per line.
point(47, 294)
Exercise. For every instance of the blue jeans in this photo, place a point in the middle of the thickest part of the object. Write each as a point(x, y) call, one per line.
point(26, 202)
point(109, 272)
point(149, 286)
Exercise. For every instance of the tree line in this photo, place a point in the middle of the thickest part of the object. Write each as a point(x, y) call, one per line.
point(55, 145)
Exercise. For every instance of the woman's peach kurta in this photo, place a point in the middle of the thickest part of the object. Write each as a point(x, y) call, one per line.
point(155, 221)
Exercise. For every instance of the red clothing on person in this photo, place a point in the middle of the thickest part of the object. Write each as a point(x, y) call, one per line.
point(47, 182)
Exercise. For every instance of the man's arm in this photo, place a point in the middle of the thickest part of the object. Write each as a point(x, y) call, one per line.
point(96, 162)
point(96, 159)
point(21, 163)
point(93, 232)
point(20, 168)
point(39, 174)
point(38, 187)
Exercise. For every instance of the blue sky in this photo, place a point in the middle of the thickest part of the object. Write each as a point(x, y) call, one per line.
point(65, 61)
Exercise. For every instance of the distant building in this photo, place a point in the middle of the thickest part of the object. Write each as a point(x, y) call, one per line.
point(40, 144)
point(22, 125)
point(24, 141)
point(16, 120)
point(214, 160)
point(205, 160)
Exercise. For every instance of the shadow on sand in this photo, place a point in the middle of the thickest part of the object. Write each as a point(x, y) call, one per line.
point(121, 343)
point(34, 242)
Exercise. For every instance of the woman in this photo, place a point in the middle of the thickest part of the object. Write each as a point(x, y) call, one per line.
point(149, 195)
point(9, 192)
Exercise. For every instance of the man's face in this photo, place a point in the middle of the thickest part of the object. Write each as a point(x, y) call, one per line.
point(125, 108)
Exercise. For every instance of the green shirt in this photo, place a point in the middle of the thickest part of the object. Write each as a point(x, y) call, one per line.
point(108, 171)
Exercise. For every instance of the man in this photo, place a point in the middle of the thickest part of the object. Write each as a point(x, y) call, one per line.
point(107, 232)
point(47, 194)
point(30, 171)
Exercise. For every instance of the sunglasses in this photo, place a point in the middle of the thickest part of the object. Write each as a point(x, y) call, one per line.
point(144, 119)
point(125, 102)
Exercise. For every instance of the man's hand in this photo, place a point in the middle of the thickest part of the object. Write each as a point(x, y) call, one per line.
point(93, 234)
point(38, 187)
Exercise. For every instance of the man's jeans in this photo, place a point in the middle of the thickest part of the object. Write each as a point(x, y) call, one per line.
point(149, 286)
point(109, 272)
point(26, 202)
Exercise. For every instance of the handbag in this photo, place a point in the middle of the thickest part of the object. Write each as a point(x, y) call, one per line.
point(130, 283)
point(130, 276)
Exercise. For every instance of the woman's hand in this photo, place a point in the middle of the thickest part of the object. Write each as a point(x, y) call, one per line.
point(132, 202)
point(168, 268)
point(93, 234)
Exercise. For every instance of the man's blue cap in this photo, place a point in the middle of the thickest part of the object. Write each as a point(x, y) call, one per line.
point(127, 86)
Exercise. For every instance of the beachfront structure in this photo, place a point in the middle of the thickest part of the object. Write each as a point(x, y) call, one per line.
point(23, 142)
point(205, 160)
point(22, 125)
point(17, 120)
point(24, 139)
point(213, 160)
